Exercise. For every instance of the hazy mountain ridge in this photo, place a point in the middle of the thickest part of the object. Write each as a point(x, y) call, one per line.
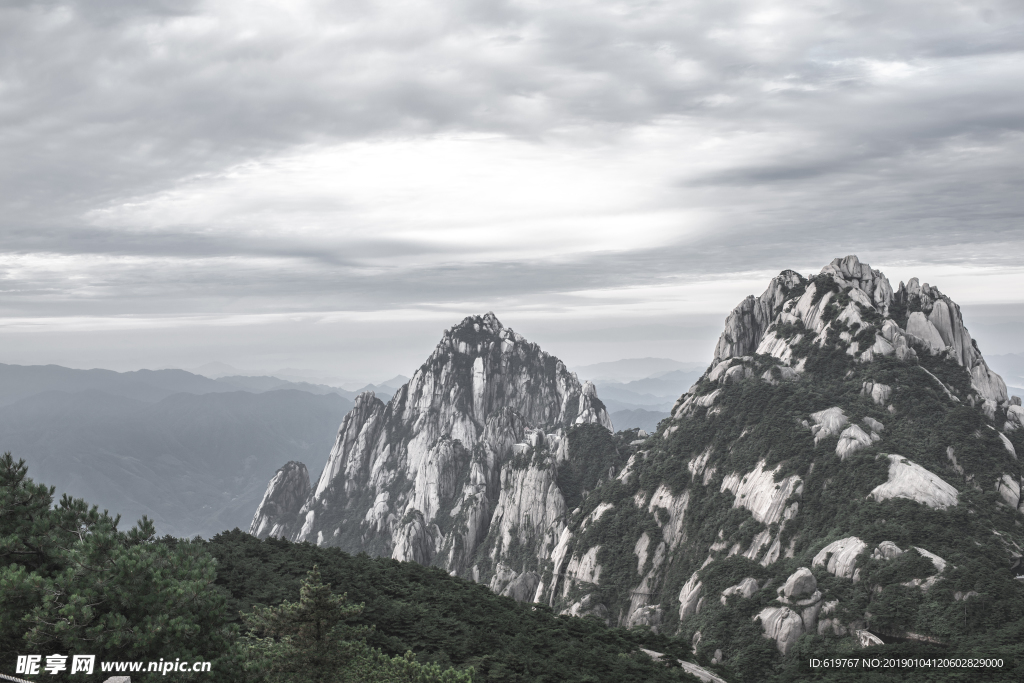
point(196, 464)
point(21, 381)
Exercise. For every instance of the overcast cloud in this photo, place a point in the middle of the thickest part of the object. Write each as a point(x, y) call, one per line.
point(328, 185)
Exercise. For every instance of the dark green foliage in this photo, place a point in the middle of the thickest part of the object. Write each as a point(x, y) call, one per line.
point(310, 641)
point(73, 584)
point(592, 453)
point(442, 619)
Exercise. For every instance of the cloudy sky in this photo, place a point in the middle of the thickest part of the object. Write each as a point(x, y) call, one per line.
point(328, 185)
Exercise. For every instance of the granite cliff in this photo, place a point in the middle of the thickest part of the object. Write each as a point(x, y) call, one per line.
point(457, 470)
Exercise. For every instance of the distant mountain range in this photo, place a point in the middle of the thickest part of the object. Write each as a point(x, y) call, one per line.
point(191, 452)
point(639, 392)
point(20, 381)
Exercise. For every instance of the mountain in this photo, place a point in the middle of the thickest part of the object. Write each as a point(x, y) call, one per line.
point(196, 464)
point(844, 475)
point(21, 381)
point(463, 468)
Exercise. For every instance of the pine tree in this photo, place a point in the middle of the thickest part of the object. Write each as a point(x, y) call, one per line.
point(309, 641)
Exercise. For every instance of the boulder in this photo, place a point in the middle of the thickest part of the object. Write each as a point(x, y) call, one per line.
point(886, 550)
point(910, 480)
point(800, 583)
point(873, 424)
point(924, 333)
point(827, 423)
point(879, 393)
point(523, 587)
point(745, 588)
point(839, 557)
point(852, 440)
point(782, 625)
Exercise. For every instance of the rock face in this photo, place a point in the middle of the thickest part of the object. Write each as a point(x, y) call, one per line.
point(285, 495)
point(838, 411)
point(910, 480)
point(464, 456)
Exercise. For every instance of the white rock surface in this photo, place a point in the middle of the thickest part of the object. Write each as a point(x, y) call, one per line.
point(745, 589)
point(886, 550)
point(800, 584)
point(758, 492)
point(939, 563)
point(1008, 489)
point(839, 557)
point(285, 495)
point(879, 393)
point(852, 440)
point(689, 597)
point(782, 625)
point(909, 480)
point(828, 422)
point(447, 441)
point(1014, 418)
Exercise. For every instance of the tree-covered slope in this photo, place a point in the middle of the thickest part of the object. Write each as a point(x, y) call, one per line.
point(443, 619)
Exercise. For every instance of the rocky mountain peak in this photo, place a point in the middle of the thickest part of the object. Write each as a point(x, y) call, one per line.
point(851, 306)
point(423, 477)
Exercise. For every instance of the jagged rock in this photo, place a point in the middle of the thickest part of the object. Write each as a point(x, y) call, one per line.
point(782, 625)
point(523, 587)
point(1014, 418)
point(745, 589)
point(879, 393)
point(828, 422)
point(1008, 489)
point(758, 492)
point(867, 639)
point(747, 324)
point(852, 440)
point(909, 480)
point(689, 597)
point(282, 501)
point(800, 583)
point(924, 333)
point(840, 556)
point(886, 550)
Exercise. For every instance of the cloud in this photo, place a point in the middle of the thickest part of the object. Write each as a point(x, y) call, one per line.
point(586, 158)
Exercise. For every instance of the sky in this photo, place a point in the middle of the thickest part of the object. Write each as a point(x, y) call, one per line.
point(326, 186)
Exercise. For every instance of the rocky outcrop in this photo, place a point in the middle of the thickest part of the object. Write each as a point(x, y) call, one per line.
point(458, 469)
point(745, 589)
point(758, 492)
point(839, 557)
point(285, 495)
point(746, 325)
point(909, 480)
